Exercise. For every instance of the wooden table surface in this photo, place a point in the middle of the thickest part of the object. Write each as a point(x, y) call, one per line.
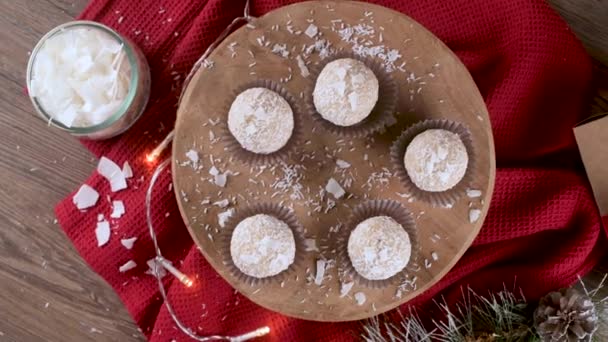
point(47, 293)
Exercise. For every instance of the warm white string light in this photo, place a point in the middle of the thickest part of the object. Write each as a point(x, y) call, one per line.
point(184, 279)
point(152, 156)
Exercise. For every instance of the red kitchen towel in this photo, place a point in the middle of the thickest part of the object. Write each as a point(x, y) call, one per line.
point(542, 228)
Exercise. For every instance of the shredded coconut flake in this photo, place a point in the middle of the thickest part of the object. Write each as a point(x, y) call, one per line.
point(311, 31)
point(223, 217)
point(102, 232)
point(128, 243)
point(118, 209)
point(473, 193)
point(342, 164)
point(345, 288)
point(310, 245)
point(474, 215)
point(320, 271)
point(360, 298)
point(334, 188)
point(129, 265)
point(86, 197)
point(302, 65)
point(113, 173)
point(126, 170)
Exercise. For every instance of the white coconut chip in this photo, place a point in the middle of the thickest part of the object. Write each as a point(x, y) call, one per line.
point(126, 170)
point(214, 171)
point(311, 30)
point(360, 298)
point(473, 193)
point(129, 265)
point(345, 288)
point(102, 232)
point(118, 209)
point(223, 217)
point(303, 68)
point(153, 266)
point(110, 171)
point(220, 180)
point(128, 243)
point(192, 155)
point(86, 197)
point(222, 204)
point(320, 271)
point(334, 188)
point(474, 215)
point(343, 164)
point(310, 245)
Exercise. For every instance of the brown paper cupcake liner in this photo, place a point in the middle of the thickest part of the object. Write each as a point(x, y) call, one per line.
point(443, 198)
point(234, 147)
point(282, 213)
point(364, 211)
point(381, 116)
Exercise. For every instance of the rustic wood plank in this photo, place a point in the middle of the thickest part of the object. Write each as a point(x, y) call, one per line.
point(38, 264)
point(589, 21)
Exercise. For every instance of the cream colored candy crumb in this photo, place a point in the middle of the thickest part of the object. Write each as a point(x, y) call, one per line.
point(346, 92)
point(261, 120)
point(436, 160)
point(379, 248)
point(262, 246)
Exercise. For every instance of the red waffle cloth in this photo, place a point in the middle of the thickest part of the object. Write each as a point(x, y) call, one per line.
point(543, 227)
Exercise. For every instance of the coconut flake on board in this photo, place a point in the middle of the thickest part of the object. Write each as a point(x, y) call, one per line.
point(320, 271)
point(129, 265)
point(343, 164)
point(360, 298)
point(311, 31)
point(345, 288)
point(192, 155)
point(127, 171)
point(102, 232)
point(113, 173)
point(310, 245)
point(472, 193)
point(223, 217)
point(128, 243)
point(302, 65)
point(334, 188)
point(474, 215)
point(118, 209)
point(86, 197)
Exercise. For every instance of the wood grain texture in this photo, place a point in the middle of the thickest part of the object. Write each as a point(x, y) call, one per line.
point(589, 21)
point(444, 90)
point(37, 262)
point(47, 292)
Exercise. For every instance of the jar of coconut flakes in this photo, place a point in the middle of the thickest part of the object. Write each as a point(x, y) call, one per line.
point(86, 79)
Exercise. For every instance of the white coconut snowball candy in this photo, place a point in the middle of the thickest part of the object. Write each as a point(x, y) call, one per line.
point(261, 120)
point(262, 246)
point(436, 160)
point(379, 248)
point(345, 92)
point(79, 75)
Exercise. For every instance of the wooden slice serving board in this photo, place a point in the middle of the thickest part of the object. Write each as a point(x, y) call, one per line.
point(439, 86)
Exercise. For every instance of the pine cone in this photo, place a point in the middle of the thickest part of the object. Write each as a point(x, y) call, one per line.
point(565, 316)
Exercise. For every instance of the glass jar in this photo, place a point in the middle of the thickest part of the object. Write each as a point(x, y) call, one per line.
point(131, 107)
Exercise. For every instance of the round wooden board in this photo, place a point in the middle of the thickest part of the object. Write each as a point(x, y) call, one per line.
point(433, 83)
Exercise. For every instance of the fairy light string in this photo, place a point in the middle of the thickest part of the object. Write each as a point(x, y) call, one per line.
point(160, 260)
point(247, 18)
point(184, 279)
